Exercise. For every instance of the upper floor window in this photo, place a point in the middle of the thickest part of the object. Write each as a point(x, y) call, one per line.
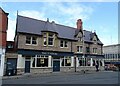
point(79, 49)
point(45, 39)
point(63, 44)
point(10, 46)
point(87, 50)
point(94, 50)
point(48, 39)
point(31, 40)
point(80, 39)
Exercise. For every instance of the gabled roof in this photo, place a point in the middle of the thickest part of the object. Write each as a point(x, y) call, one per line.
point(4, 11)
point(88, 36)
point(34, 26)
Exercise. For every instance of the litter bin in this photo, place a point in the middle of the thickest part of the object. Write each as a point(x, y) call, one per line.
point(10, 72)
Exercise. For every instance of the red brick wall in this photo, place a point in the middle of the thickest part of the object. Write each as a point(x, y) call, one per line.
point(3, 28)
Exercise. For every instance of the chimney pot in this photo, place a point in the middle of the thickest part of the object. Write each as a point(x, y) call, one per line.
point(47, 19)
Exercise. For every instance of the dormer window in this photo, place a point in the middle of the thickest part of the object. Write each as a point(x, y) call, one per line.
point(45, 39)
point(48, 39)
point(80, 37)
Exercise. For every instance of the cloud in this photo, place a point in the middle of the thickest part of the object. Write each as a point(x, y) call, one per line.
point(67, 13)
point(61, 13)
point(59, 0)
point(33, 14)
point(11, 30)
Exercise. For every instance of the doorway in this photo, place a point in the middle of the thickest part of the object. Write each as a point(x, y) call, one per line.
point(27, 65)
point(56, 65)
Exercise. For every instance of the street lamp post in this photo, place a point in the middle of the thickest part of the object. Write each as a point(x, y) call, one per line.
point(75, 63)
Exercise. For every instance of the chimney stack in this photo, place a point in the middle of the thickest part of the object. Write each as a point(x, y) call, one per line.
point(79, 24)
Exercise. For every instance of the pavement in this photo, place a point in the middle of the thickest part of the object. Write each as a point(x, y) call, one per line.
point(25, 75)
point(90, 77)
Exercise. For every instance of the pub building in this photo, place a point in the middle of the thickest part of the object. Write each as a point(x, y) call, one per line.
point(44, 46)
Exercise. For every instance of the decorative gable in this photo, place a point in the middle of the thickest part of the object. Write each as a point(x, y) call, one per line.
point(79, 36)
point(94, 38)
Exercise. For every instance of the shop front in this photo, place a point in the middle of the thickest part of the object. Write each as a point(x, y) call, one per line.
point(31, 61)
point(88, 62)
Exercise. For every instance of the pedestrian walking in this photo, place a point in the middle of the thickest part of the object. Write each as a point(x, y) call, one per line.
point(97, 66)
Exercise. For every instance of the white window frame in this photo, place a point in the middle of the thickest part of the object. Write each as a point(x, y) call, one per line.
point(64, 58)
point(45, 39)
point(31, 40)
point(52, 38)
point(39, 56)
point(79, 49)
point(64, 43)
point(94, 50)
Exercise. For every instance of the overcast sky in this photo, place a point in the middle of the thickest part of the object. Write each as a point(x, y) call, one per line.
point(101, 17)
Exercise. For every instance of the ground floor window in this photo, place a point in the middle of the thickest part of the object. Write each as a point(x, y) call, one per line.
point(98, 62)
point(84, 61)
point(66, 61)
point(40, 61)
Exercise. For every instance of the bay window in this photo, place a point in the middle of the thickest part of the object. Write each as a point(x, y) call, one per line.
point(45, 39)
point(48, 39)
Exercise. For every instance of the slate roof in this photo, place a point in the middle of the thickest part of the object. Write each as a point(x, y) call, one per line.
point(34, 26)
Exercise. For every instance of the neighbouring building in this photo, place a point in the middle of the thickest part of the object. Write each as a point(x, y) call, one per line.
point(112, 55)
point(3, 34)
point(44, 46)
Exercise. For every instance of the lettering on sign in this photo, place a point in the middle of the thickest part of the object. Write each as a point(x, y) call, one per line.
point(49, 53)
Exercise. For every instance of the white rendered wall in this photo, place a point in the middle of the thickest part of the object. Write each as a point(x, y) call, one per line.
point(49, 61)
point(20, 62)
point(2, 53)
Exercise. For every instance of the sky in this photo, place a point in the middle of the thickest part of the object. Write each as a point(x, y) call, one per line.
point(100, 17)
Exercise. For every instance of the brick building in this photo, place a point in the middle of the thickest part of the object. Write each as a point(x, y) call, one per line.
point(3, 34)
point(44, 46)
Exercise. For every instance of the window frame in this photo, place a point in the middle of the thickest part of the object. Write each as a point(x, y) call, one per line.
point(44, 39)
point(31, 40)
point(79, 49)
point(64, 43)
point(95, 50)
point(34, 61)
point(64, 62)
point(51, 37)
point(87, 49)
